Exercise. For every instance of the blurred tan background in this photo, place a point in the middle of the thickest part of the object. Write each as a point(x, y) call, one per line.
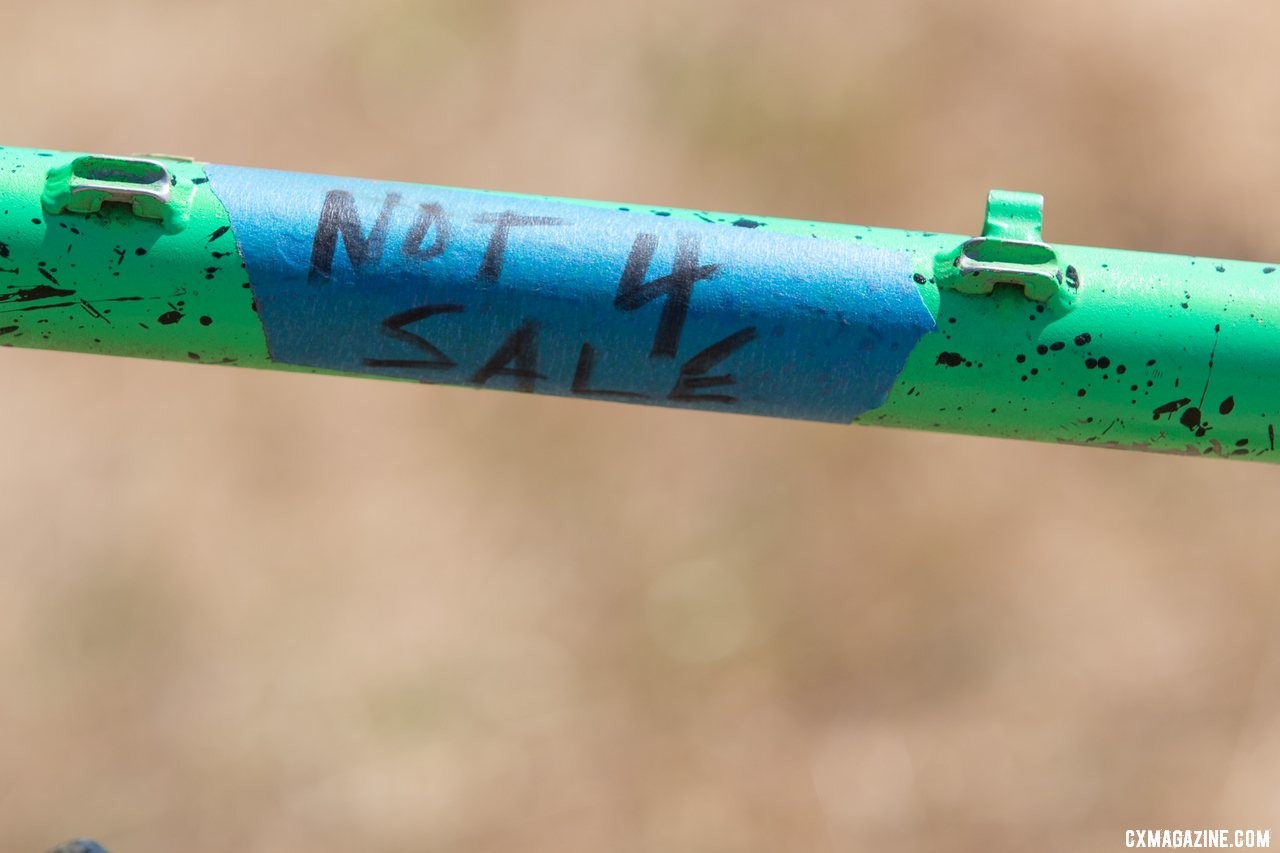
point(251, 612)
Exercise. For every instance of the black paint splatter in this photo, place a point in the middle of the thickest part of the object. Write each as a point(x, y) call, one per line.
point(1169, 408)
point(1191, 419)
point(30, 294)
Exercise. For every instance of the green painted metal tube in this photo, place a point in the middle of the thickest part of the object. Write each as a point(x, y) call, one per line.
point(999, 334)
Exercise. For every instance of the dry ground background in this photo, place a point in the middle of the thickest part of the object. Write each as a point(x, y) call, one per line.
point(252, 612)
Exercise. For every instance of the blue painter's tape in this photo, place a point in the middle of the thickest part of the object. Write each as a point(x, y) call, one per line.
point(483, 289)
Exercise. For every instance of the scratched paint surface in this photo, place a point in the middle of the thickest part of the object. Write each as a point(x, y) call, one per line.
point(115, 284)
point(549, 296)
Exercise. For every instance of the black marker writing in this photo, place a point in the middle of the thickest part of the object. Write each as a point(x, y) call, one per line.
point(582, 378)
point(432, 234)
point(428, 215)
point(521, 349)
point(491, 266)
point(693, 372)
point(340, 217)
point(677, 286)
point(394, 327)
